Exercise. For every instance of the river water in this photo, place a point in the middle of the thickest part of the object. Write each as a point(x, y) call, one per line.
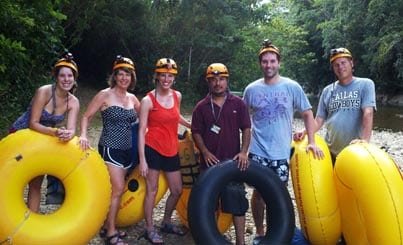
point(388, 117)
point(385, 117)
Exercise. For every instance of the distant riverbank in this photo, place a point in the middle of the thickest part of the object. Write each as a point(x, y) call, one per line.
point(386, 117)
point(395, 100)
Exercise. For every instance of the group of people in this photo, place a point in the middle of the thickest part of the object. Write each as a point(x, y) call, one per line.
point(224, 126)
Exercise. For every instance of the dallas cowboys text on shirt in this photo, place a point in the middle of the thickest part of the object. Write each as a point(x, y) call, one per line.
point(345, 100)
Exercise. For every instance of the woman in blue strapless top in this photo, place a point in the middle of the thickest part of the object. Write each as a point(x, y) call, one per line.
point(51, 105)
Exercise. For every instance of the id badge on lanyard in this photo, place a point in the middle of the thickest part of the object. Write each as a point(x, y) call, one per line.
point(215, 128)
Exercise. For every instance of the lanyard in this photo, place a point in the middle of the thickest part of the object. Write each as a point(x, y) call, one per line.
point(213, 111)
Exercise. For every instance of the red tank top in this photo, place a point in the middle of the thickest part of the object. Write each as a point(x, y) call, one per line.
point(162, 128)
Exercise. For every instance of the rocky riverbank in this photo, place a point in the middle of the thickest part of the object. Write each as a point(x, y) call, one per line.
point(392, 142)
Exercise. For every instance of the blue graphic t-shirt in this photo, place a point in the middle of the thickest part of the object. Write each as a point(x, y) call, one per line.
point(272, 110)
point(341, 106)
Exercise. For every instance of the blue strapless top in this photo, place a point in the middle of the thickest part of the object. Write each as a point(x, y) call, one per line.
point(47, 119)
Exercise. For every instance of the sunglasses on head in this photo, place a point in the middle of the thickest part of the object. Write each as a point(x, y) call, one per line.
point(339, 53)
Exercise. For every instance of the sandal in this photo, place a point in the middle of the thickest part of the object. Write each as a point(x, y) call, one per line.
point(117, 241)
point(102, 233)
point(172, 229)
point(152, 236)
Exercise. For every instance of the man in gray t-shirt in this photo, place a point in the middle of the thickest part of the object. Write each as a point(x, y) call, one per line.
point(346, 107)
point(272, 101)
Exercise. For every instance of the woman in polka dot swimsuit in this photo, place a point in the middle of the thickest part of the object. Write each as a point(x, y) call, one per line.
point(119, 110)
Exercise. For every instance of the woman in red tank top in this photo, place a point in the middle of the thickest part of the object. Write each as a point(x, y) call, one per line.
point(158, 146)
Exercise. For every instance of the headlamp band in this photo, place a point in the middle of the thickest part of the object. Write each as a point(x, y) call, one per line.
point(269, 49)
point(123, 65)
point(217, 73)
point(67, 64)
point(339, 53)
point(166, 70)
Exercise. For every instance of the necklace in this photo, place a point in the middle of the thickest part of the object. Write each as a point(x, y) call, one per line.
point(213, 111)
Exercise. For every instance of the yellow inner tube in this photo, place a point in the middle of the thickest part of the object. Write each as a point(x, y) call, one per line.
point(370, 191)
point(190, 171)
point(131, 208)
point(315, 193)
point(27, 154)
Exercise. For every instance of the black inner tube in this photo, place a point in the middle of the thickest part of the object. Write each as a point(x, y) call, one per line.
point(205, 193)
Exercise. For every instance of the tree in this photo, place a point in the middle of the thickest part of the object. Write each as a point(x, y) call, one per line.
point(371, 30)
point(277, 26)
point(30, 42)
point(384, 44)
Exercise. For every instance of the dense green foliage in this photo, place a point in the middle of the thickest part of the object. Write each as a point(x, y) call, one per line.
point(30, 40)
point(195, 34)
point(371, 29)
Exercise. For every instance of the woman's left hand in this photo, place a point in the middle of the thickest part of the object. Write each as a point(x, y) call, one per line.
point(64, 134)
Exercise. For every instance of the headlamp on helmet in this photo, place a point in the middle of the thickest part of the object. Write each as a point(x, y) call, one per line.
point(338, 53)
point(267, 46)
point(67, 61)
point(123, 62)
point(166, 65)
point(217, 69)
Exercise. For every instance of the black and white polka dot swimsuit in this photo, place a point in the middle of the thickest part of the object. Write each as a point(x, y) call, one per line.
point(116, 132)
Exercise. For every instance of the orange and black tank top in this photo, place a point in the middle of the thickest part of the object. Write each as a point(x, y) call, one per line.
point(162, 127)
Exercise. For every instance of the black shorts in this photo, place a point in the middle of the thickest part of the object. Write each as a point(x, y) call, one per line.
point(233, 199)
point(280, 167)
point(119, 158)
point(157, 161)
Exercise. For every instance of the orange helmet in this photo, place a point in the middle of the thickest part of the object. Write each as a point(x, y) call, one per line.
point(67, 61)
point(166, 65)
point(217, 69)
point(123, 62)
point(338, 53)
point(267, 46)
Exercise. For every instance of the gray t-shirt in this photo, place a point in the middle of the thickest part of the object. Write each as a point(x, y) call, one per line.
point(272, 110)
point(341, 108)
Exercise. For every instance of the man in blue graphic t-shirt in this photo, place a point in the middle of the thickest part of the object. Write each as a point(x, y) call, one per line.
point(272, 101)
point(346, 107)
